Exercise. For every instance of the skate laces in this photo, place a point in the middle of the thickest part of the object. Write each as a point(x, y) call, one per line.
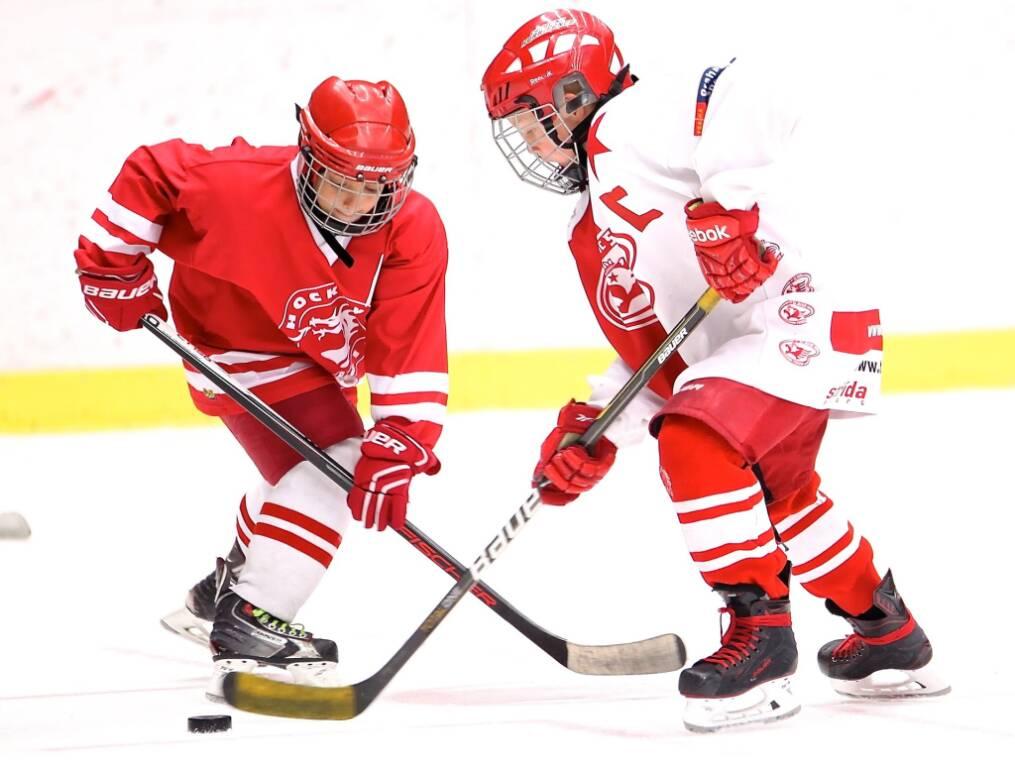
point(741, 637)
point(851, 646)
point(277, 625)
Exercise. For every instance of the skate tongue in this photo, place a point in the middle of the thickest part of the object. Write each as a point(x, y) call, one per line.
point(851, 645)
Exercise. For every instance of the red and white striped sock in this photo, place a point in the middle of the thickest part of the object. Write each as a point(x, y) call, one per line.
point(293, 535)
point(721, 508)
point(830, 559)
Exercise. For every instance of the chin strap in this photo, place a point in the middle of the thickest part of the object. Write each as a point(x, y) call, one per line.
point(580, 134)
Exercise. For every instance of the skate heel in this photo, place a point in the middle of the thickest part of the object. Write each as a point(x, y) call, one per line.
point(895, 684)
point(765, 703)
point(185, 624)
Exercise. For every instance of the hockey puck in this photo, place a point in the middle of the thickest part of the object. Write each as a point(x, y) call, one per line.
point(13, 526)
point(209, 723)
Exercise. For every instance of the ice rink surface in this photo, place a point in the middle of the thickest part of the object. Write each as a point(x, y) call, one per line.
point(124, 523)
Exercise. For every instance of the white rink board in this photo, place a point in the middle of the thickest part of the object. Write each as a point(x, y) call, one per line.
point(914, 125)
point(88, 674)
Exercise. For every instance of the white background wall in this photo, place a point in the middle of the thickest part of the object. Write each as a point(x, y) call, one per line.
point(908, 153)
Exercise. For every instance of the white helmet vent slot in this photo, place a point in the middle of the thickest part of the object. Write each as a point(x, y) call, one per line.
point(564, 43)
point(538, 51)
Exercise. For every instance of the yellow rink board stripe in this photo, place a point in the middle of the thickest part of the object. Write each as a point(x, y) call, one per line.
point(152, 396)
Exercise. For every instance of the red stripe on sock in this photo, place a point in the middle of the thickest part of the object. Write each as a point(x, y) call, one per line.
point(827, 555)
point(315, 527)
point(726, 549)
point(807, 520)
point(291, 539)
point(722, 509)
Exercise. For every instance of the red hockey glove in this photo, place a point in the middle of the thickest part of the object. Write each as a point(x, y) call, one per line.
point(573, 470)
point(121, 296)
point(389, 458)
point(733, 262)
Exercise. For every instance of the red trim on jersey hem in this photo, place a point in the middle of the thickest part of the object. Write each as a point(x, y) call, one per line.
point(301, 382)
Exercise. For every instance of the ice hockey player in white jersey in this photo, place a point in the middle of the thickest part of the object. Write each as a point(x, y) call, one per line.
point(673, 193)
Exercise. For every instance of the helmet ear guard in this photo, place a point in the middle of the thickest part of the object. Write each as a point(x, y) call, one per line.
point(572, 92)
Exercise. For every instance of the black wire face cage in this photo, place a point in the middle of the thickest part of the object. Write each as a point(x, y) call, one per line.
point(517, 134)
point(344, 205)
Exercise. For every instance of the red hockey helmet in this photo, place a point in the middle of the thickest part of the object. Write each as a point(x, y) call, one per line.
point(357, 155)
point(551, 67)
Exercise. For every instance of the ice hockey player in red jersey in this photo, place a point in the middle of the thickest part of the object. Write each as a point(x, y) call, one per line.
point(298, 269)
point(673, 196)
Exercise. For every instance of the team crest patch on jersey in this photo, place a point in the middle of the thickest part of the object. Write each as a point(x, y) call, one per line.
point(623, 299)
point(798, 352)
point(333, 324)
point(796, 312)
point(799, 283)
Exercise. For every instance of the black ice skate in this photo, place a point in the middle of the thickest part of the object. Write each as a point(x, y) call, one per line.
point(747, 679)
point(245, 638)
point(888, 654)
point(193, 620)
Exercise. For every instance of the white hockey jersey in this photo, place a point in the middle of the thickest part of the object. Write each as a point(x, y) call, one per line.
point(793, 338)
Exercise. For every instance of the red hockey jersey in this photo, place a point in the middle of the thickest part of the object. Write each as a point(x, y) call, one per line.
point(257, 287)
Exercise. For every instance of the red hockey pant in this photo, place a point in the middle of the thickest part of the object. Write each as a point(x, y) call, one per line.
point(738, 464)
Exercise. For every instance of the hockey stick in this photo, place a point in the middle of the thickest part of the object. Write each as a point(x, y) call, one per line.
point(664, 653)
point(271, 697)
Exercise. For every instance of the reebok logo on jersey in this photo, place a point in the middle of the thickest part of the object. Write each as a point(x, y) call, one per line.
point(711, 235)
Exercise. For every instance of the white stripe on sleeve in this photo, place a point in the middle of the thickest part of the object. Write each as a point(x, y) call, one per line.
point(422, 381)
point(434, 412)
point(126, 219)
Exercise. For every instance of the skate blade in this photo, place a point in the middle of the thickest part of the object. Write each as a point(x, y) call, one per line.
point(188, 626)
point(766, 703)
point(895, 684)
point(321, 674)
